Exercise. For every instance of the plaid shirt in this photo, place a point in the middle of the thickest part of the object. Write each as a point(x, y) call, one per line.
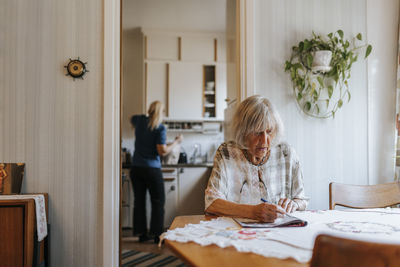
point(235, 179)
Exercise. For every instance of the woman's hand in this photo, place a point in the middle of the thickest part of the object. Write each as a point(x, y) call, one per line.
point(179, 138)
point(265, 212)
point(288, 204)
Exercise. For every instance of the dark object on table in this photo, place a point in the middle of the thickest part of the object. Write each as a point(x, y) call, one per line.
point(182, 157)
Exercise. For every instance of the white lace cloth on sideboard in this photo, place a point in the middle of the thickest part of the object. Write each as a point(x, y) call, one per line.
point(40, 212)
point(374, 225)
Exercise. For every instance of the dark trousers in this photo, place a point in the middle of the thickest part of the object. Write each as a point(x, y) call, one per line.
point(151, 179)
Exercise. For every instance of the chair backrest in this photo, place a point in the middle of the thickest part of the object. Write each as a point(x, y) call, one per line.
point(364, 196)
point(330, 251)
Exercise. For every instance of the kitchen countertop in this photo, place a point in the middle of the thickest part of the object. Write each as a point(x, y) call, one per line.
point(179, 165)
point(188, 165)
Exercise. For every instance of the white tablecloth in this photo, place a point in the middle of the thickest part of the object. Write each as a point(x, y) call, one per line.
point(374, 225)
point(40, 212)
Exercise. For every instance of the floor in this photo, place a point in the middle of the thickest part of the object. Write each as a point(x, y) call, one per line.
point(132, 243)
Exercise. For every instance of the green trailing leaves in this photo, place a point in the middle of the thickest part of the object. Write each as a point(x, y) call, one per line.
point(349, 95)
point(340, 32)
point(309, 60)
point(315, 88)
point(368, 51)
point(320, 81)
point(330, 91)
point(340, 103)
point(307, 105)
point(299, 96)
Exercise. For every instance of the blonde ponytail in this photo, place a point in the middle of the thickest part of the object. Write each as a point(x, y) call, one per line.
point(155, 114)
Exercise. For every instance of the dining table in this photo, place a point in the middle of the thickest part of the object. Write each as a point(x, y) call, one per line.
point(203, 240)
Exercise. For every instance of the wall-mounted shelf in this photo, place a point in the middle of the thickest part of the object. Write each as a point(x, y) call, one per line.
point(211, 126)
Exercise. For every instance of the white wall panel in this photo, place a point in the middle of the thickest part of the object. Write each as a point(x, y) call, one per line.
point(330, 149)
point(53, 123)
point(382, 26)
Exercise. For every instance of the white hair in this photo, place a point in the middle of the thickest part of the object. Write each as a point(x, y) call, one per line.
point(256, 114)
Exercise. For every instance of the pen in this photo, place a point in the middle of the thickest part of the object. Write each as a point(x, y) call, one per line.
point(265, 201)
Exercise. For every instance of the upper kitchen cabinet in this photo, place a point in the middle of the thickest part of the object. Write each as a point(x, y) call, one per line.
point(203, 47)
point(161, 46)
point(157, 83)
point(177, 67)
point(185, 94)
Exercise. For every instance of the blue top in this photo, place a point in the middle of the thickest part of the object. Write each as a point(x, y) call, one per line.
point(146, 154)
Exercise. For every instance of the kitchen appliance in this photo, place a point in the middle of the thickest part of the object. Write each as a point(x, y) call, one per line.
point(182, 157)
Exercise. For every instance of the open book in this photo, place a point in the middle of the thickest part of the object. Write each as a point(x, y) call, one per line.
point(285, 221)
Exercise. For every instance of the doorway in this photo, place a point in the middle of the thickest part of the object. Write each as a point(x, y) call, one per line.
point(145, 23)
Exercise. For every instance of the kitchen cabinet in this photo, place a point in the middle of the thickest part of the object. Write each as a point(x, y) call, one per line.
point(168, 66)
point(192, 183)
point(209, 96)
point(171, 194)
point(199, 48)
point(161, 46)
point(214, 90)
point(185, 95)
point(157, 86)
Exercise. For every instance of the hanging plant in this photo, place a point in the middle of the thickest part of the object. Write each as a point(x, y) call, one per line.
point(320, 69)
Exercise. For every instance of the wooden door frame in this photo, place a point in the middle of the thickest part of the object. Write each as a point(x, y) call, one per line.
point(112, 110)
point(111, 133)
point(245, 14)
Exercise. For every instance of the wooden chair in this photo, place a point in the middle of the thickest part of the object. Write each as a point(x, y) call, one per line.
point(364, 196)
point(330, 251)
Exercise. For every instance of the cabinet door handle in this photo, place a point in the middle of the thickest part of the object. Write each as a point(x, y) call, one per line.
point(172, 188)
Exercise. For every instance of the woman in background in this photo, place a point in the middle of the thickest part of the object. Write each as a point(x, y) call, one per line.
point(150, 144)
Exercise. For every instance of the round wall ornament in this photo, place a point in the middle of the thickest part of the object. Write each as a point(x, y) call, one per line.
point(320, 71)
point(76, 68)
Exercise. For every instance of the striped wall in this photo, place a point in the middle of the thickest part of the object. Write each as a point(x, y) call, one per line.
point(53, 123)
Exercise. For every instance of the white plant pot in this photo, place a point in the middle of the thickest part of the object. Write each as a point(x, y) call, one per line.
point(322, 61)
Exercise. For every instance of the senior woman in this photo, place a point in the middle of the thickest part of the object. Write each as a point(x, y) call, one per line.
point(255, 167)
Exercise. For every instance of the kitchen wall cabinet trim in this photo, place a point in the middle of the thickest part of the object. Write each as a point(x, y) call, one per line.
point(215, 49)
point(167, 95)
point(179, 48)
point(145, 47)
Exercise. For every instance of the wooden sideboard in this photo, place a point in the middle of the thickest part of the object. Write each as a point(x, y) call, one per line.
point(18, 242)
